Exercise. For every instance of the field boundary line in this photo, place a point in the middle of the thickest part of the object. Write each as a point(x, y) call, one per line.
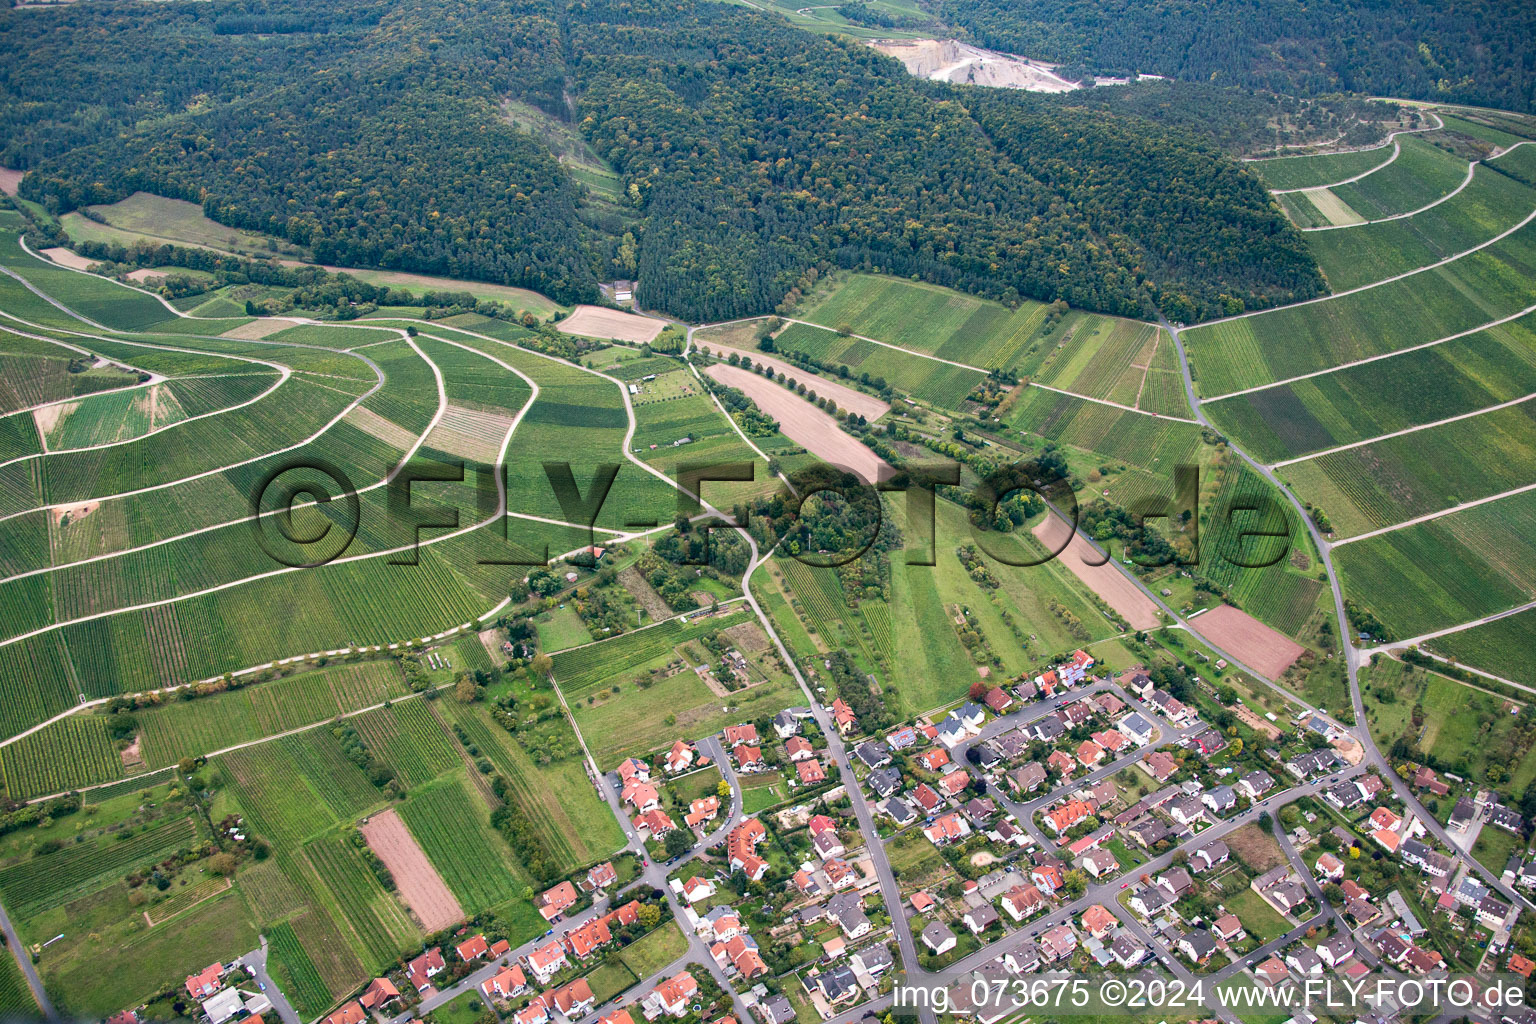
point(1471, 170)
point(1435, 515)
point(1462, 627)
point(442, 406)
point(1406, 430)
point(1113, 405)
point(1397, 151)
point(1527, 311)
point(1375, 284)
point(1472, 166)
point(206, 473)
point(415, 545)
point(1439, 125)
point(284, 374)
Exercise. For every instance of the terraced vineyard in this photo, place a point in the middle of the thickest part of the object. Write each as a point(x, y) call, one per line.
point(1502, 647)
point(1449, 570)
point(1388, 481)
point(51, 880)
point(924, 379)
point(68, 754)
point(454, 834)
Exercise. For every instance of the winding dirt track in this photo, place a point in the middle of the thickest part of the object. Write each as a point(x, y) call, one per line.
point(415, 877)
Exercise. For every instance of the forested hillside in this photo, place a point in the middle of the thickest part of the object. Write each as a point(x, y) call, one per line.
point(1472, 51)
point(750, 153)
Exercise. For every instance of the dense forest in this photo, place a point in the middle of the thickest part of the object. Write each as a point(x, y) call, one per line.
point(749, 152)
point(1469, 51)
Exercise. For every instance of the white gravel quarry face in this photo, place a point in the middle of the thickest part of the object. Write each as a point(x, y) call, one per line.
point(949, 60)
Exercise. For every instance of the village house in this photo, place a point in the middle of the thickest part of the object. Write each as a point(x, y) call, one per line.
point(798, 748)
point(379, 993)
point(679, 758)
point(938, 938)
point(1228, 928)
point(547, 961)
point(429, 965)
point(843, 717)
point(671, 997)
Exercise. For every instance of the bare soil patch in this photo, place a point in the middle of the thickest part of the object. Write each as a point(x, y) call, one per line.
point(1261, 648)
point(801, 421)
point(642, 591)
point(490, 639)
point(67, 258)
point(74, 512)
point(258, 328)
point(848, 399)
point(417, 881)
point(471, 433)
point(748, 637)
point(132, 755)
point(146, 274)
point(1331, 206)
point(982, 859)
point(10, 180)
point(597, 322)
point(1253, 721)
point(1112, 586)
point(1256, 848)
point(48, 417)
point(388, 431)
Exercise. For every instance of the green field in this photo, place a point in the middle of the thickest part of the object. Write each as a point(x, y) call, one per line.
point(927, 318)
point(1289, 172)
point(1422, 174)
point(1491, 204)
point(453, 829)
point(15, 996)
point(1259, 918)
point(926, 380)
point(1449, 570)
point(1360, 402)
point(1396, 479)
point(1463, 295)
point(655, 950)
point(1469, 730)
point(188, 728)
point(620, 717)
point(560, 628)
point(66, 755)
point(575, 825)
point(1506, 647)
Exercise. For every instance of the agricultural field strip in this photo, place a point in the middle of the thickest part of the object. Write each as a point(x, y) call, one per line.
point(1105, 401)
point(378, 383)
point(1471, 170)
point(1397, 150)
point(1435, 515)
point(284, 373)
point(154, 378)
point(962, 366)
point(1448, 630)
point(442, 404)
point(501, 510)
point(688, 343)
point(1405, 430)
point(1370, 359)
point(1374, 284)
point(1391, 140)
point(629, 434)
